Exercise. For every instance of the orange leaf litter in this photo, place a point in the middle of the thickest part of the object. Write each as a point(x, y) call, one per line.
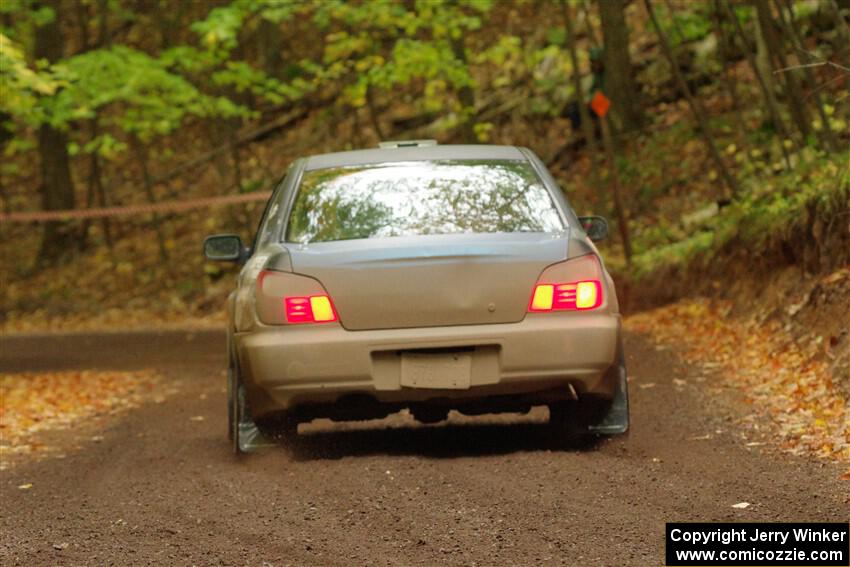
point(783, 380)
point(32, 402)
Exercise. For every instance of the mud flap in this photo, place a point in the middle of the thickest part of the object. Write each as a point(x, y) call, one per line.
point(249, 437)
point(616, 420)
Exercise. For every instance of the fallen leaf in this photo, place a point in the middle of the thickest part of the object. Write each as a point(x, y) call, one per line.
point(26, 486)
point(35, 402)
point(741, 505)
point(197, 418)
point(786, 380)
point(60, 546)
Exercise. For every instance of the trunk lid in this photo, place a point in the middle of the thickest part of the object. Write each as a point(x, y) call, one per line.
point(426, 281)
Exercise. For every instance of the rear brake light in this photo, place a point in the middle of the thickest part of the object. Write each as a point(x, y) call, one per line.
point(313, 309)
point(574, 296)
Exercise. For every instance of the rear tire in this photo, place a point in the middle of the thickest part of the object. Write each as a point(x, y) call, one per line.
point(235, 408)
point(611, 417)
point(230, 407)
point(564, 422)
point(244, 434)
point(579, 420)
point(281, 428)
point(428, 416)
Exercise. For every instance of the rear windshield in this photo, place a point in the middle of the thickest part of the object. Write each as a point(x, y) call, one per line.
point(421, 197)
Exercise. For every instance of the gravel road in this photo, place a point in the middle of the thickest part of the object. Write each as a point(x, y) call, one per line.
point(162, 488)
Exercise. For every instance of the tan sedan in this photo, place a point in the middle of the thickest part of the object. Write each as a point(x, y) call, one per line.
point(424, 277)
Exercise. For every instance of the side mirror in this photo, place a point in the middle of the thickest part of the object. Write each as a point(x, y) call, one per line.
point(595, 227)
point(223, 248)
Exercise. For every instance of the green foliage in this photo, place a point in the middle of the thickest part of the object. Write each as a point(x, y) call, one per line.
point(692, 22)
point(381, 46)
point(153, 100)
point(500, 70)
point(220, 30)
point(131, 92)
point(21, 85)
point(694, 25)
point(771, 212)
point(28, 14)
point(371, 48)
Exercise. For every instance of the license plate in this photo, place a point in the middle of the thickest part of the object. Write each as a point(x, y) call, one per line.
point(436, 371)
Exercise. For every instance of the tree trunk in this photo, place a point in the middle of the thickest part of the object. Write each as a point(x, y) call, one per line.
point(827, 136)
point(103, 23)
point(776, 49)
point(728, 79)
point(142, 157)
point(772, 107)
point(696, 106)
point(465, 96)
point(614, 178)
point(269, 43)
point(619, 80)
point(584, 114)
point(843, 32)
point(95, 192)
point(585, 6)
point(5, 136)
point(57, 186)
point(373, 114)
point(762, 59)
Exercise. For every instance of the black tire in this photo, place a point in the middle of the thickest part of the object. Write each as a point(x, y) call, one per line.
point(612, 416)
point(287, 431)
point(281, 428)
point(236, 407)
point(231, 418)
point(428, 416)
point(564, 423)
point(231, 388)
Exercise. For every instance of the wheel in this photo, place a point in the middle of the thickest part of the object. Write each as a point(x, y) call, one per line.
point(241, 428)
point(245, 435)
point(429, 415)
point(236, 407)
point(611, 417)
point(289, 430)
point(231, 418)
point(590, 416)
point(236, 404)
point(564, 422)
point(280, 428)
point(284, 429)
point(231, 388)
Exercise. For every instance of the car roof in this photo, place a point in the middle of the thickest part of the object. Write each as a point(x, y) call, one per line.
point(425, 153)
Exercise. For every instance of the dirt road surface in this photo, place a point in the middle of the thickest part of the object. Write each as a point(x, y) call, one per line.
point(162, 488)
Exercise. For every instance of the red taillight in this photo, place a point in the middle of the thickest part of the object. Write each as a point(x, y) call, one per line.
point(574, 296)
point(312, 309)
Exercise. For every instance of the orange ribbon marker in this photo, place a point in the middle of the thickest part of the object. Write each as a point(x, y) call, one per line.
point(600, 104)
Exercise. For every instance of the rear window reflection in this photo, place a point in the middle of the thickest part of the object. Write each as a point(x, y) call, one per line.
point(421, 197)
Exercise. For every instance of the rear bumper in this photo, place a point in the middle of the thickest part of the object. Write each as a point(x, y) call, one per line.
point(284, 367)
